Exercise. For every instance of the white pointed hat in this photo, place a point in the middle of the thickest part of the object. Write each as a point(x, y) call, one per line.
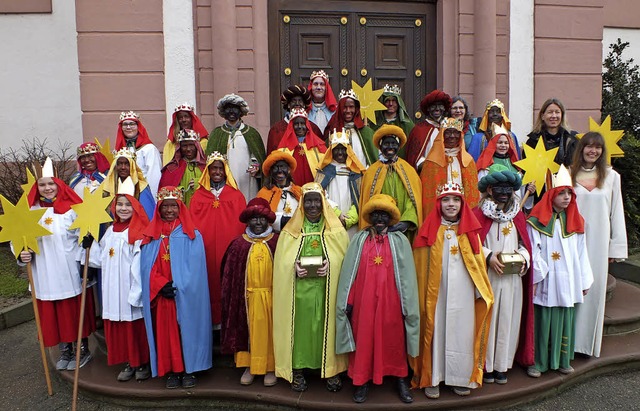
point(126, 187)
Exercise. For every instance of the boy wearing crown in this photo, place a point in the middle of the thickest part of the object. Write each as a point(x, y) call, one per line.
point(348, 118)
point(56, 275)
point(304, 145)
point(377, 302)
point(323, 102)
point(282, 194)
point(562, 274)
point(217, 204)
point(393, 176)
point(185, 169)
point(340, 175)
point(175, 294)
point(455, 297)
point(133, 135)
point(242, 144)
point(504, 237)
point(184, 118)
point(92, 166)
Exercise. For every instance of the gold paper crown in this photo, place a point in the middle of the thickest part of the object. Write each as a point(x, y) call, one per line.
point(126, 186)
point(128, 152)
point(44, 170)
point(395, 89)
point(348, 94)
point(319, 73)
point(312, 187)
point(562, 178)
point(450, 122)
point(499, 130)
point(297, 112)
point(188, 135)
point(175, 193)
point(339, 137)
point(495, 103)
point(129, 115)
point(183, 107)
point(216, 156)
point(449, 188)
point(89, 148)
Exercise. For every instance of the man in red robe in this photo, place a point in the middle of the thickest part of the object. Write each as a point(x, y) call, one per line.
point(216, 207)
point(434, 105)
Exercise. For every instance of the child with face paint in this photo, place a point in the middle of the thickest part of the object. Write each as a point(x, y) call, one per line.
point(282, 194)
point(379, 332)
point(247, 303)
point(504, 231)
point(455, 294)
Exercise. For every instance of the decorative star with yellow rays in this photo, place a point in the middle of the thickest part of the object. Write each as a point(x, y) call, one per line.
point(20, 225)
point(105, 149)
point(454, 249)
point(48, 221)
point(536, 164)
point(215, 204)
point(287, 208)
point(91, 213)
point(369, 100)
point(301, 152)
point(377, 260)
point(611, 137)
point(315, 244)
point(555, 256)
point(112, 252)
point(506, 230)
point(166, 257)
point(455, 174)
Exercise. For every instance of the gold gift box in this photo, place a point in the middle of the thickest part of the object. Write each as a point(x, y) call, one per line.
point(513, 262)
point(311, 264)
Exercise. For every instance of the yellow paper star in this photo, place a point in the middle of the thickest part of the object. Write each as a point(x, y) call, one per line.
point(91, 213)
point(20, 225)
point(105, 149)
point(454, 249)
point(537, 162)
point(166, 257)
point(112, 252)
point(506, 231)
point(377, 260)
point(30, 181)
point(369, 100)
point(611, 137)
point(216, 203)
point(555, 255)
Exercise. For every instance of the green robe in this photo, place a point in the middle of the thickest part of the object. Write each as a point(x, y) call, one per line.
point(190, 173)
point(219, 139)
point(393, 187)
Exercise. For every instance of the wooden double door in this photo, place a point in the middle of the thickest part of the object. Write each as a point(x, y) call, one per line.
point(391, 42)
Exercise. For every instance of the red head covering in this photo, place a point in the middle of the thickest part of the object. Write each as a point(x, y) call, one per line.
point(138, 222)
point(329, 97)
point(260, 207)
point(196, 125)
point(290, 139)
point(433, 97)
point(486, 158)
point(468, 224)
point(142, 139)
point(337, 121)
point(65, 198)
point(154, 229)
point(102, 164)
point(544, 210)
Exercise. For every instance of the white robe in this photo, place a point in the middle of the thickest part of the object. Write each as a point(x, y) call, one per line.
point(239, 158)
point(606, 238)
point(561, 267)
point(85, 182)
point(339, 192)
point(357, 146)
point(150, 162)
point(56, 274)
point(453, 331)
point(507, 299)
point(286, 207)
point(121, 286)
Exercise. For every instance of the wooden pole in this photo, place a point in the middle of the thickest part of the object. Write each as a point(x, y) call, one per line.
point(83, 300)
point(43, 354)
point(524, 199)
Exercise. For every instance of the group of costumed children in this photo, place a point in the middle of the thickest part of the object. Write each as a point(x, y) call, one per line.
point(455, 298)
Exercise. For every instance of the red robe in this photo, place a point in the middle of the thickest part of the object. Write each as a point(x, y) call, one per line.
point(218, 220)
point(376, 319)
point(417, 141)
point(163, 310)
point(277, 131)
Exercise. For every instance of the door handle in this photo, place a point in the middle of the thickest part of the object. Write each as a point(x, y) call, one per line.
point(344, 72)
point(363, 72)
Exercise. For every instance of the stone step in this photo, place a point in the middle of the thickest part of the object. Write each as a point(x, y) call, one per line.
point(622, 312)
point(611, 285)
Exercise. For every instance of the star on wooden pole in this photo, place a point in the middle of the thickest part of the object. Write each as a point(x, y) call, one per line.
point(536, 164)
point(91, 212)
point(611, 137)
point(20, 225)
point(369, 100)
point(105, 149)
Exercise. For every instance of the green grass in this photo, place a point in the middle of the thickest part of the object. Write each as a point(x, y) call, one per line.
point(11, 285)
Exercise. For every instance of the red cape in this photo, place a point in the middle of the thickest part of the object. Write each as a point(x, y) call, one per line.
point(486, 157)
point(196, 125)
point(138, 222)
point(219, 223)
point(416, 141)
point(524, 354)
point(276, 132)
point(337, 122)
point(64, 200)
point(142, 139)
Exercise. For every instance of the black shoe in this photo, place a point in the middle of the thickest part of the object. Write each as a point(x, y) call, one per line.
point(334, 384)
point(501, 377)
point(298, 384)
point(404, 391)
point(173, 381)
point(360, 394)
point(489, 377)
point(143, 372)
point(188, 381)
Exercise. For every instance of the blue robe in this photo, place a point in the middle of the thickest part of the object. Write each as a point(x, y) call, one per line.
point(148, 202)
point(329, 173)
point(189, 272)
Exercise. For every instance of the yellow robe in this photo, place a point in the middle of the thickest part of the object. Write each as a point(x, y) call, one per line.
point(429, 269)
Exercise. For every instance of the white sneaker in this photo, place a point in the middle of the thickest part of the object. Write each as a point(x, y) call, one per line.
point(432, 392)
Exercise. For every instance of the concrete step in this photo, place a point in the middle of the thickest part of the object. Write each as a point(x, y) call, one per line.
point(622, 312)
point(611, 285)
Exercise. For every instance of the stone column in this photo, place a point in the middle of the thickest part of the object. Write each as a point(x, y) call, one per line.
point(484, 53)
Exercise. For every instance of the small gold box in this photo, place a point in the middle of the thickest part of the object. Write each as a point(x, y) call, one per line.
point(311, 264)
point(513, 262)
